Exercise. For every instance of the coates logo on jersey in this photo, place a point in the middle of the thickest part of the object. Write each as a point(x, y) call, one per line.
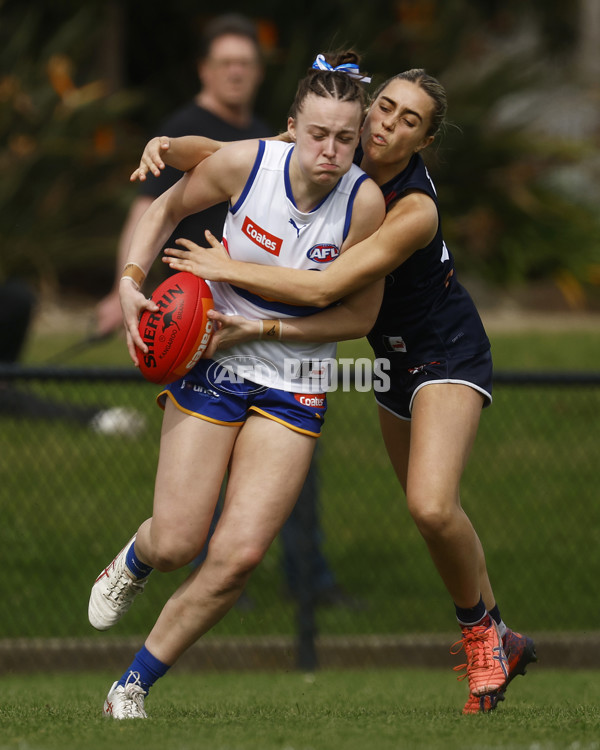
point(261, 237)
point(323, 253)
point(314, 400)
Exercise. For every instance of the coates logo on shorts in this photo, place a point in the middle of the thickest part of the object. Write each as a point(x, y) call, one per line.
point(261, 237)
point(238, 373)
point(323, 253)
point(314, 400)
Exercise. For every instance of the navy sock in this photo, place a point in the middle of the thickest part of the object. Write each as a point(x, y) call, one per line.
point(497, 618)
point(148, 667)
point(470, 616)
point(135, 565)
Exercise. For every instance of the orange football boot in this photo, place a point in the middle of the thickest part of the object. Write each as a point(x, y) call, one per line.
point(487, 666)
point(520, 651)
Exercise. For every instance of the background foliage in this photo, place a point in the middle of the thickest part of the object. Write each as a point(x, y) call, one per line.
point(82, 85)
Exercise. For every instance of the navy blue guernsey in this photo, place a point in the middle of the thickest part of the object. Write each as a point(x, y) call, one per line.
point(426, 314)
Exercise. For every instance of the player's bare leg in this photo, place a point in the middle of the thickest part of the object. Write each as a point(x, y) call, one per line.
point(429, 455)
point(268, 467)
point(186, 493)
point(194, 454)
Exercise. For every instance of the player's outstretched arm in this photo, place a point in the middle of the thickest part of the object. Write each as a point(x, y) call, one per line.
point(285, 284)
point(182, 153)
point(351, 318)
point(410, 224)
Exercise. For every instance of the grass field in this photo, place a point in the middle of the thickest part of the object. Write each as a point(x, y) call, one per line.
point(366, 710)
point(68, 497)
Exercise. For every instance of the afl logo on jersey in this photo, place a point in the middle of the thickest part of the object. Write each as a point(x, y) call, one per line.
point(323, 253)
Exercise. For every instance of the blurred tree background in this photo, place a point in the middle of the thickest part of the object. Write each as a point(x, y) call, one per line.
point(82, 85)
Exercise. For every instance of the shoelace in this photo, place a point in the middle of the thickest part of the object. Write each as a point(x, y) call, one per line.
point(123, 589)
point(473, 644)
point(135, 694)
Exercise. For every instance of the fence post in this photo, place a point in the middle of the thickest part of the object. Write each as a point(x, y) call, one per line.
point(306, 521)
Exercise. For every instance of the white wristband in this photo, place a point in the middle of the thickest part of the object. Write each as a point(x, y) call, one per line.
point(133, 281)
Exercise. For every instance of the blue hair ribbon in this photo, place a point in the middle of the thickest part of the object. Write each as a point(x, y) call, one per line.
point(350, 69)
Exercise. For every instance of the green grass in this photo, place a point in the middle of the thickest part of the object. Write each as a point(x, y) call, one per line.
point(353, 710)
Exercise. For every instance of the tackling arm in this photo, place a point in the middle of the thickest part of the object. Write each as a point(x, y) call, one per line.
point(351, 318)
point(182, 153)
point(410, 224)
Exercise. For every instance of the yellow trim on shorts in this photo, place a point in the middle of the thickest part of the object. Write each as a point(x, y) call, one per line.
point(284, 423)
point(194, 413)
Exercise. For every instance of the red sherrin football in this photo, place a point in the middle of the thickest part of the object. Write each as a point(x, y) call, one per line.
point(178, 334)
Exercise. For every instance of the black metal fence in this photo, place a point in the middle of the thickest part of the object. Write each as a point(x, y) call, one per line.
point(77, 466)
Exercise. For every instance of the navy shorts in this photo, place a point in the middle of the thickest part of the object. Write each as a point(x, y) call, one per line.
point(475, 372)
point(206, 394)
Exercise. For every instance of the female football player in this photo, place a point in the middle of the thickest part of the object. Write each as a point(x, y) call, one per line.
point(254, 420)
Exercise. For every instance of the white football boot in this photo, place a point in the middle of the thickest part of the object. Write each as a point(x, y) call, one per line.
point(113, 592)
point(126, 702)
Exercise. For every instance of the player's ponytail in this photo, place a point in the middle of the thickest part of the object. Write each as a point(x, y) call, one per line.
point(333, 74)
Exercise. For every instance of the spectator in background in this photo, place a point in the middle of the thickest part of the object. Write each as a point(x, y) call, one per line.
point(230, 70)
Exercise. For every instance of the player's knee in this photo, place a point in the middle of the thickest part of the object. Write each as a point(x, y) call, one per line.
point(432, 519)
point(234, 565)
point(244, 560)
point(172, 552)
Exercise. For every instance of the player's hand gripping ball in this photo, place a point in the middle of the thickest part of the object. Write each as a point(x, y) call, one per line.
point(178, 334)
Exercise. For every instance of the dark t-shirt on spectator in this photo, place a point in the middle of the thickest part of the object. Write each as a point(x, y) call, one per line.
point(195, 120)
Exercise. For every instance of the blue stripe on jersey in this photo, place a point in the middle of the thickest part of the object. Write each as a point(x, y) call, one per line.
point(283, 308)
point(251, 178)
point(286, 177)
point(350, 206)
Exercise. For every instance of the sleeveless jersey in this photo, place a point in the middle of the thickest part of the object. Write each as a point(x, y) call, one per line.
point(265, 226)
point(425, 314)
